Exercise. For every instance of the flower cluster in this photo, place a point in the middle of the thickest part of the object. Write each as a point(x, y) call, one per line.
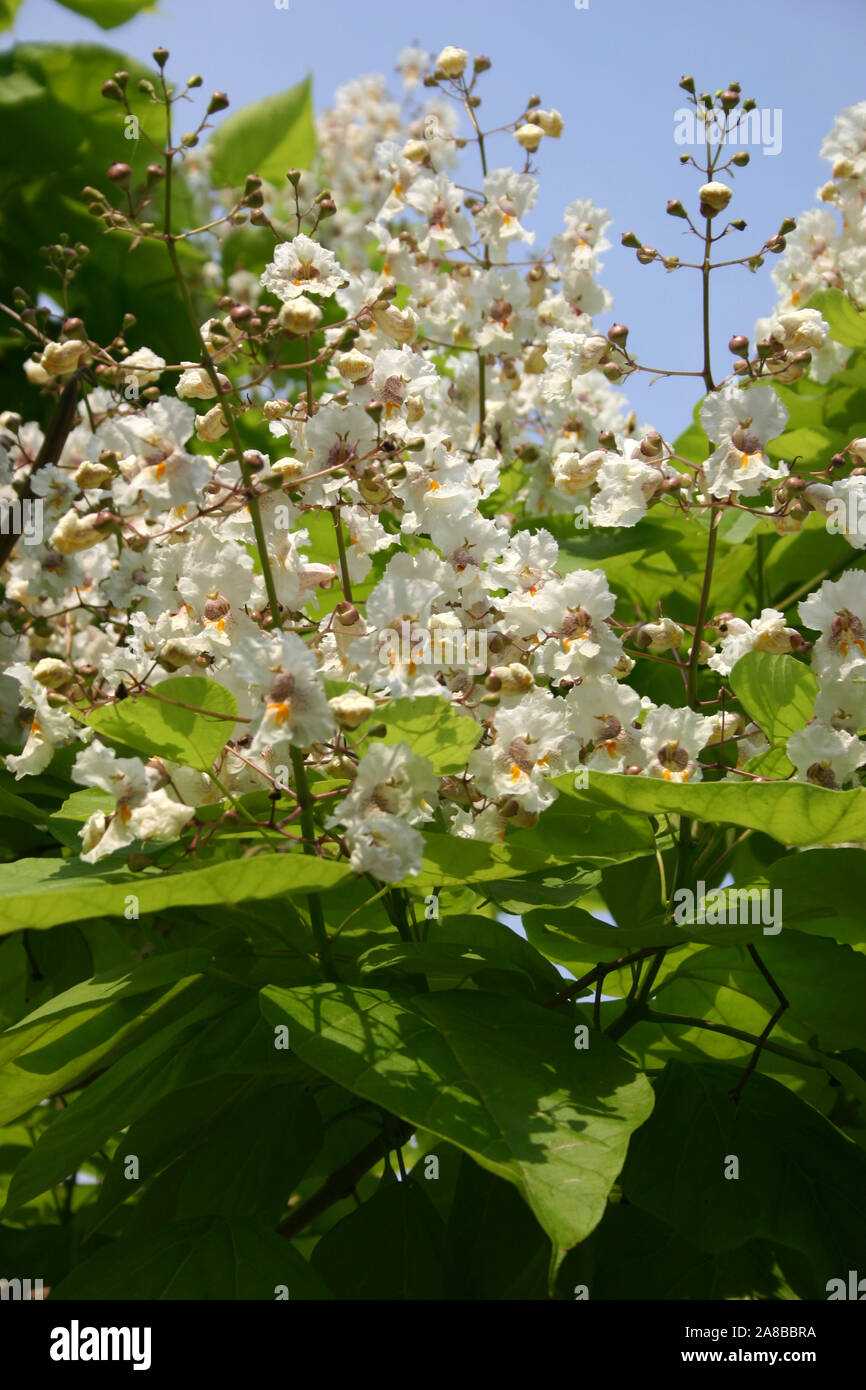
point(452, 377)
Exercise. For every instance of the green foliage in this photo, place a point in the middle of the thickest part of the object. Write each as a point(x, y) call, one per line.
point(187, 720)
point(267, 138)
point(241, 1045)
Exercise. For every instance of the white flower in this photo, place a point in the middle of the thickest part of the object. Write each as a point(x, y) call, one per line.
point(391, 779)
point(601, 715)
point(670, 741)
point(526, 754)
point(765, 634)
point(296, 711)
point(142, 811)
point(826, 757)
point(838, 612)
point(386, 847)
point(626, 483)
point(302, 266)
point(195, 383)
point(144, 365)
point(740, 422)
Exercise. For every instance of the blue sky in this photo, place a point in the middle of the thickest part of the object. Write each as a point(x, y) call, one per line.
point(612, 70)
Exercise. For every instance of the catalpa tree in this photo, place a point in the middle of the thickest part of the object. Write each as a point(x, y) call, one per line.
point(432, 806)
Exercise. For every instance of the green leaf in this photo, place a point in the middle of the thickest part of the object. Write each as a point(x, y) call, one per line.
point(108, 14)
point(18, 808)
point(192, 732)
point(631, 1255)
point(498, 1077)
point(175, 1124)
point(53, 1050)
point(794, 813)
point(389, 1248)
point(44, 892)
point(847, 325)
point(494, 1248)
point(823, 891)
point(204, 1258)
point(268, 138)
point(253, 1157)
point(58, 135)
point(800, 1182)
point(65, 824)
point(432, 728)
point(777, 691)
point(8, 11)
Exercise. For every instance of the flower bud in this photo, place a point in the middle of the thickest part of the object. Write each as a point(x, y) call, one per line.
point(212, 425)
point(529, 136)
point(59, 359)
point(416, 151)
point(452, 61)
point(299, 315)
point(513, 679)
point(218, 102)
point(346, 614)
point(91, 475)
point(676, 209)
point(741, 159)
point(353, 366)
point(351, 709)
point(551, 122)
point(399, 324)
point(53, 674)
point(120, 174)
point(844, 168)
point(714, 198)
point(74, 532)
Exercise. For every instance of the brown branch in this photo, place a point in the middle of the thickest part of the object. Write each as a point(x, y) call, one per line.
point(52, 447)
point(343, 1182)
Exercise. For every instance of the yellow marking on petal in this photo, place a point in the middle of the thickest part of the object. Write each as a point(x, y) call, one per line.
point(282, 711)
point(795, 298)
point(432, 486)
point(686, 775)
point(667, 774)
point(515, 772)
point(124, 812)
